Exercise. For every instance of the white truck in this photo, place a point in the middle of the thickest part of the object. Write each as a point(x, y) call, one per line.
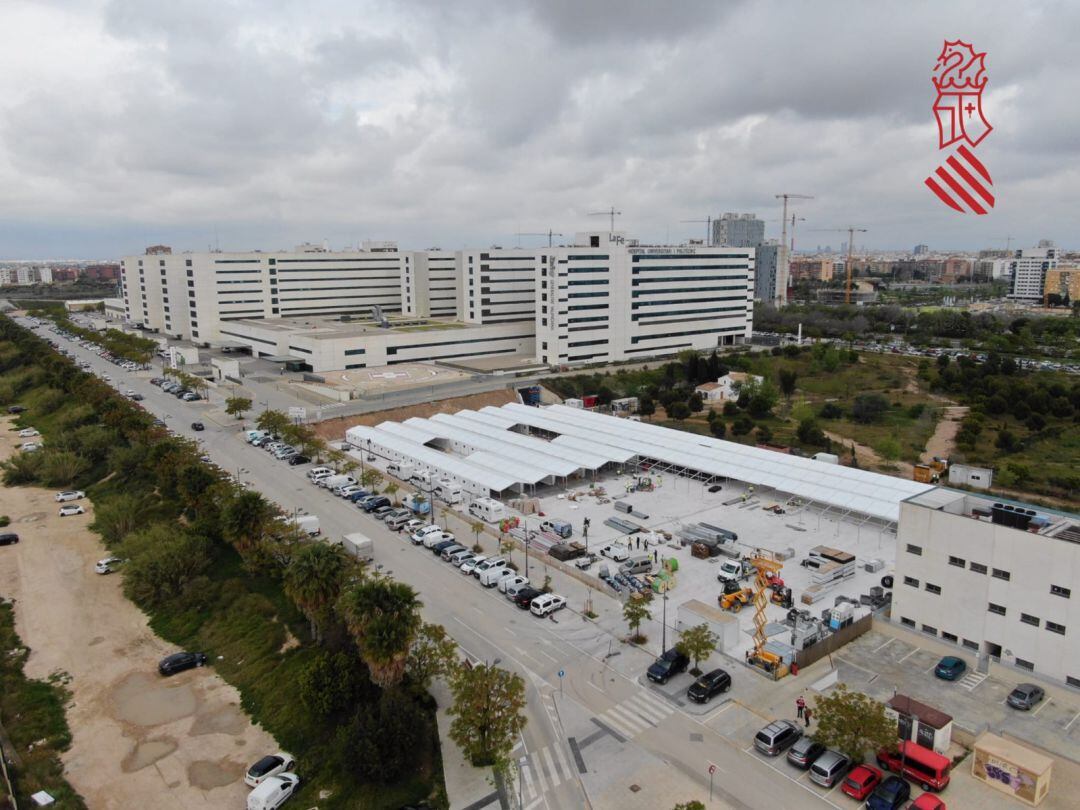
point(359, 545)
point(309, 524)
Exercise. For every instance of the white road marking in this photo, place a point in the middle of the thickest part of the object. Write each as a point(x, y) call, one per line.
point(1041, 707)
point(906, 657)
point(722, 709)
point(563, 760)
point(881, 647)
point(627, 719)
point(556, 777)
point(1072, 721)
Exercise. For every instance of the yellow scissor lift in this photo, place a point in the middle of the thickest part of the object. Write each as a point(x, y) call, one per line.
point(767, 565)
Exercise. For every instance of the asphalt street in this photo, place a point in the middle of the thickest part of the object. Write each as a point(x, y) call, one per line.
point(567, 662)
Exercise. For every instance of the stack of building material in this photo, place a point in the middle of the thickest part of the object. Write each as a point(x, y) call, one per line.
point(623, 526)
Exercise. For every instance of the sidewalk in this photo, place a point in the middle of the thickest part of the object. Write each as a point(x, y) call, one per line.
point(466, 787)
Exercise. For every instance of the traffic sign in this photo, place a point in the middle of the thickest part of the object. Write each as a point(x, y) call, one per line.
point(712, 769)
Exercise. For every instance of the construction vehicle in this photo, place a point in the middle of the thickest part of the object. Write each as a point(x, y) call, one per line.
point(782, 596)
point(768, 573)
point(734, 597)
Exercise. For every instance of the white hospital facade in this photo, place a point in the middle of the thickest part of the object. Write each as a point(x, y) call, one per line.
point(603, 298)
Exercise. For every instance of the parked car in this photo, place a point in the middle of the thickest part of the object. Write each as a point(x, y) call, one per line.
point(8, 539)
point(514, 582)
point(829, 768)
point(298, 459)
point(459, 557)
point(107, 566)
point(469, 566)
point(432, 539)
point(397, 519)
point(804, 751)
point(889, 795)
point(348, 490)
point(1025, 696)
point(708, 686)
point(950, 668)
point(315, 472)
point(546, 604)
point(137, 397)
point(672, 662)
point(420, 533)
point(861, 782)
point(358, 495)
point(71, 509)
point(28, 433)
point(777, 737)
point(525, 596)
point(268, 766)
point(69, 495)
point(371, 504)
point(16, 409)
point(178, 662)
point(381, 512)
point(438, 548)
point(927, 801)
point(447, 551)
point(198, 426)
point(31, 447)
point(273, 792)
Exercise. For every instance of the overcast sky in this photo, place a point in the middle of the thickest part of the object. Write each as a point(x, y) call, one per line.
point(263, 123)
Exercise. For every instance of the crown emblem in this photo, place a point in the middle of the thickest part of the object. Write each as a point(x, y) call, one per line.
point(959, 68)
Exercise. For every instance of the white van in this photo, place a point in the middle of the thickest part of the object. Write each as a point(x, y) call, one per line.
point(401, 470)
point(319, 472)
point(273, 792)
point(449, 492)
point(487, 509)
point(308, 524)
point(332, 481)
point(492, 573)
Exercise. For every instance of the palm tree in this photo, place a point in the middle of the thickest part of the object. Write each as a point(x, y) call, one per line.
point(383, 617)
point(391, 490)
point(245, 520)
point(477, 526)
point(313, 581)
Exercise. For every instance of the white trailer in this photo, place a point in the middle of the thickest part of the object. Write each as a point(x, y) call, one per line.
point(487, 509)
point(359, 545)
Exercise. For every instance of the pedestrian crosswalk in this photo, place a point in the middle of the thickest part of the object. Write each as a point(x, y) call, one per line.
point(636, 715)
point(542, 770)
point(972, 679)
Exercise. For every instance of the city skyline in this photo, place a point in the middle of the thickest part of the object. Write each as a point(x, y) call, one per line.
point(125, 124)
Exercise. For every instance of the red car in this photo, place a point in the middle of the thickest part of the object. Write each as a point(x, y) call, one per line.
point(928, 801)
point(861, 782)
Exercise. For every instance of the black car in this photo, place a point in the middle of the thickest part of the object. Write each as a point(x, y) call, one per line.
point(136, 397)
point(16, 408)
point(198, 426)
point(438, 548)
point(8, 539)
point(708, 686)
point(715, 488)
point(178, 662)
point(375, 503)
point(670, 663)
point(525, 596)
point(298, 459)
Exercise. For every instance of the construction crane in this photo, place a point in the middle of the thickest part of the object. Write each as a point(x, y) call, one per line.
point(783, 266)
point(1006, 239)
point(707, 222)
point(768, 569)
point(850, 231)
point(549, 235)
point(611, 213)
point(794, 219)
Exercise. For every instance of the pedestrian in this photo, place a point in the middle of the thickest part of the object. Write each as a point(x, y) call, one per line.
point(656, 556)
point(800, 705)
point(638, 543)
point(806, 714)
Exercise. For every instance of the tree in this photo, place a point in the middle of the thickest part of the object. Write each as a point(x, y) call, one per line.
point(853, 723)
point(731, 408)
point(382, 741)
point(391, 490)
point(636, 611)
point(808, 432)
point(678, 411)
point(695, 403)
point(787, 382)
point(718, 428)
point(488, 712)
point(433, 654)
point(697, 642)
point(830, 410)
point(764, 434)
point(1007, 441)
point(742, 425)
point(332, 684)
point(476, 527)
point(119, 515)
point(162, 562)
point(237, 406)
point(869, 408)
point(646, 407)
point(370, 479)
point(245, 520)
point(313, 581)
point(506, 546)
point(273, 422)
point(383, 617)
point(60, 468)
point(759, 398)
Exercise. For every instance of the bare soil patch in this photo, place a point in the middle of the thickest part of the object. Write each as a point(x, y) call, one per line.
point(138, 740)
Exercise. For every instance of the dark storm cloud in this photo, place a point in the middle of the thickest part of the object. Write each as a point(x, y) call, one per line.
point(465, 122)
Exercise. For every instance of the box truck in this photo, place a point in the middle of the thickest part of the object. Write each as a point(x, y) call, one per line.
point(309, 524)
point(359, 545)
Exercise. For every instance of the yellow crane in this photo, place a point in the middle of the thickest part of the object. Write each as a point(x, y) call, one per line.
point(850, 231)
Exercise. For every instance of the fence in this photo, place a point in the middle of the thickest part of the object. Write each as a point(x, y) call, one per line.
point(834, 642)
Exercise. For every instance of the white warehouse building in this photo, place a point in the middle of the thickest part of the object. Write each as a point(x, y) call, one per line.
point(995, 578)
point(605, 298)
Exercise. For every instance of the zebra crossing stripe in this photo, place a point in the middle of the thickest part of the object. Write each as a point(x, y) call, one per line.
point(648, 710)
point(526, 777)
point(561, 756)
point(556, 777)
point(618, 725)
point(627, 719)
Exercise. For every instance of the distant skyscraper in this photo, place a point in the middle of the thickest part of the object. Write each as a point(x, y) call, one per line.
point(921, 250)
point(738, 230)
point(1046, 243)
point(1029, 268)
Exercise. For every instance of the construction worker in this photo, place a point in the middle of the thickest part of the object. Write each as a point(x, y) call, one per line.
point(800, 707)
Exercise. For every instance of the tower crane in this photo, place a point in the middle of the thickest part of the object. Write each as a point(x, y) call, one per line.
point(550, 233)
point(707, 222)
point(850, 231)
point(610, 213)
point(784, 265)
point(1007, 240)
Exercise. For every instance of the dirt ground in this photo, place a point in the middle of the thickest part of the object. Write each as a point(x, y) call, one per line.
point(138, 740)
point(941, 443)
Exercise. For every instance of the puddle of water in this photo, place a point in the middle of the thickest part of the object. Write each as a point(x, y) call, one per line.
point(223, 720)
point(147, 753)
point(147, 700)
point(209, 775)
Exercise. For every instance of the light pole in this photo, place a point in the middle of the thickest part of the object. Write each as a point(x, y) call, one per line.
point(526, 548)
point(663, 632)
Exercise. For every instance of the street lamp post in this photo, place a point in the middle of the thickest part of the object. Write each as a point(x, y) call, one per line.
point(526, 548)
point(663, 632)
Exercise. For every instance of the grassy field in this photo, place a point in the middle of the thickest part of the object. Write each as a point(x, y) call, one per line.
point(32, 712)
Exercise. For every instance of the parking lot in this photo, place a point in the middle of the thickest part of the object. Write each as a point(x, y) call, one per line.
point(878, 663)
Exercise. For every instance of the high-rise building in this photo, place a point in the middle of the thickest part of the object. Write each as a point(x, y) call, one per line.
point(1063, 282)
point(921, 250)
point(767, 257)
point(1029, 268)
point(738, 230)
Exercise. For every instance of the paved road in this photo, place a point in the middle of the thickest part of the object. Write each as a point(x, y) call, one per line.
point(667, 744)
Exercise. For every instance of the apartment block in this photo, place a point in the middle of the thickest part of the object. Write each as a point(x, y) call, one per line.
point(1029, 268)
